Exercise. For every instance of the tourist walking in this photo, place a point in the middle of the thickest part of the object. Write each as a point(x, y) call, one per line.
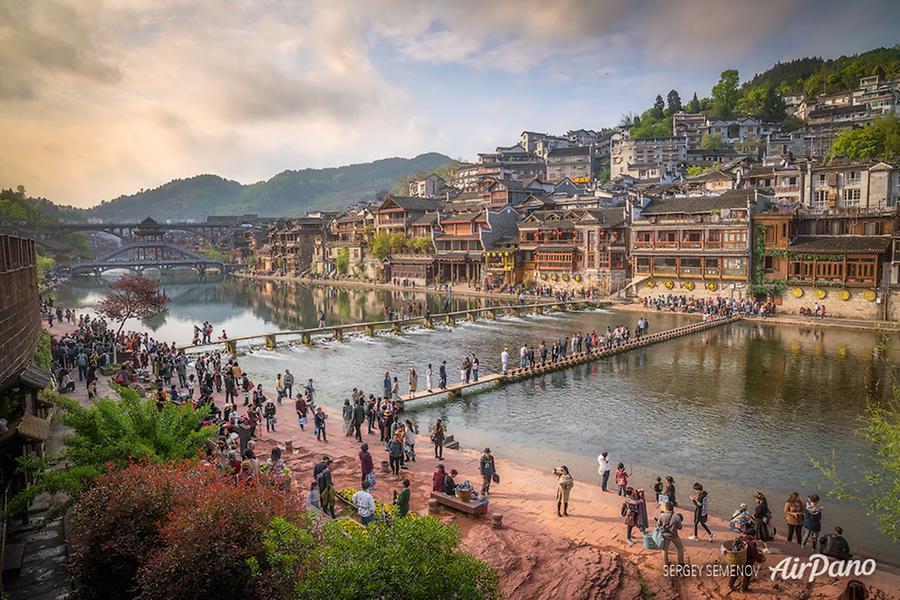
point(701, 511)
point(413, 381)
point(793, 516)
point(669, 491)
point(634, 510)
point(279, 387)
point(410, 441)
point(669, 524)
point(300, 408)
point(475, 365)
point(269, 414)
point(437, 438)
point(387, 386)
point(401, 500)
point(288, 381)
point(395, 454)
point(429, 378)
point(603, 470)
point(504, 360)
point(564, 484)
point(366, 466)
point(488, 471)
point(319, 422)
point(442, 375)
point(347, 414)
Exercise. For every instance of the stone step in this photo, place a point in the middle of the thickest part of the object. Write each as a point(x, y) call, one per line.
point(13, 557)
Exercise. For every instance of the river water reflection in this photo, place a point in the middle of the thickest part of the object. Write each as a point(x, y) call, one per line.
point(740, 408)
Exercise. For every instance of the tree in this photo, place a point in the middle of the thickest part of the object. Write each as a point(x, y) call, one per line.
point(694, 105)
point(112, 433)
point(658, 108)
point(880, 140)
point(725, 93)
point(132, 296)
point(342, 261)
point(45, 264)
point(711, 141)
point(880, 427)
point(674, 101)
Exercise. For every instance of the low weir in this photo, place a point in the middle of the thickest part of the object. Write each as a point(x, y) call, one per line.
point(571, 360)
point(305, 336)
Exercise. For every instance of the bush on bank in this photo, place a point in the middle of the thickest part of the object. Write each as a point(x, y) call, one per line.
point(186, 531)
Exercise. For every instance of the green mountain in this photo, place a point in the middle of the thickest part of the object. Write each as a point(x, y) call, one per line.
point(286, 194)
point(814, 75)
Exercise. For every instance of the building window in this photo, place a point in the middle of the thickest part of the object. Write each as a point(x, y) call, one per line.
point(769, 264)
point(852, 177)
point(851, 197)
point(821, 200)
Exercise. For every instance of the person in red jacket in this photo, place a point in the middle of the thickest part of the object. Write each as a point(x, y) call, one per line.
point(437, 480)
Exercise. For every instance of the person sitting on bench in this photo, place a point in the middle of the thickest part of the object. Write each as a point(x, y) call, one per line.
point(450, 484)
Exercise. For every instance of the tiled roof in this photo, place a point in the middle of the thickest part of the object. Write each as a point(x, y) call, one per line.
point(842, 244)
point(699, 204)
point(426, 219)
point(414, 203)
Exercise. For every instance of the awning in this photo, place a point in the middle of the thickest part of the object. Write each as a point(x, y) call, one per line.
point(34, 428)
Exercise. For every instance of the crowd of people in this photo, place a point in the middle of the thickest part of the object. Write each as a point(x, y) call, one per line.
point(754, 528)
point(719, 306)
point(249, 413)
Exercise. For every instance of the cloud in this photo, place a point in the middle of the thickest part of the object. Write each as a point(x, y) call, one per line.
point(100, 98)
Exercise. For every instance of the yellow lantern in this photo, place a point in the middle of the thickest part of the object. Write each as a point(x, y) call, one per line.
point(844, 295)
point(870, 295)
point(797, 292)
point(820, 293)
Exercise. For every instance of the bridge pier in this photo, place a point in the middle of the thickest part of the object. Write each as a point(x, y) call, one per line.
point(395, 327)
point(450, 320)
point(338, 334)
point(231, 348)
point(306, 339)
point(270, 342)
point(370, 330)
point(427, 324)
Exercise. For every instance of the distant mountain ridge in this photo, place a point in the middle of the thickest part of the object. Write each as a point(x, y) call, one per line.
point(288, 193)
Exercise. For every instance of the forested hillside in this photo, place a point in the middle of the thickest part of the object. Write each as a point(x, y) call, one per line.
point(288, 193)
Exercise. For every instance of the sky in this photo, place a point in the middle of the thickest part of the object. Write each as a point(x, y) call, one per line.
point(102, 98)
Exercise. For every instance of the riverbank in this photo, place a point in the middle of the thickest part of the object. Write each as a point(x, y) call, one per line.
point(465, 291)
point(538, 554)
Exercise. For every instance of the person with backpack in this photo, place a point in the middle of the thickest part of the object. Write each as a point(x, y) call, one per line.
point(631, 511)
point(669, 523)
point(488, 471)
point(564, 484)
point(812, 521)
point(753, 556)
point(319, 422)
point(269, 413)
point(300, 407)
point(701, 511)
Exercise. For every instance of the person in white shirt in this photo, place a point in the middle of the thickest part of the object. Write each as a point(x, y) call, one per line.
point(603, 470)
point(365, 504)
point(504, 360)
point(523, 356)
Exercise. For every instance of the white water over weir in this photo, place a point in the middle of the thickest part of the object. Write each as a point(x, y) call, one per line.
point(370, 328)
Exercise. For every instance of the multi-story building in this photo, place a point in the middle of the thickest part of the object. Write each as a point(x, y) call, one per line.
point(735, 130)
point(459, 255)
point(529, 139)
point(693, 245)
point(629, 151)
point(431, 186)
point(396, 214)
point(690, 126)
point(784, 182)
point(842, 248)
point(851, 184)
point(575, 248)
point(466, 177)
point(575, 164)
point(292, 244)
point(548, 143)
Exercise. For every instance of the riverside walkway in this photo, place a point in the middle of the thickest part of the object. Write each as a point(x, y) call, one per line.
point(571, 360)
point(305, 336)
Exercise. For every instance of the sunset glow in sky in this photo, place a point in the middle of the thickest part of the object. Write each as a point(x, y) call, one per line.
point(101, 98)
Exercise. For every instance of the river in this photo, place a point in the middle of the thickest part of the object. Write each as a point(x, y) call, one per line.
point(740, 408)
